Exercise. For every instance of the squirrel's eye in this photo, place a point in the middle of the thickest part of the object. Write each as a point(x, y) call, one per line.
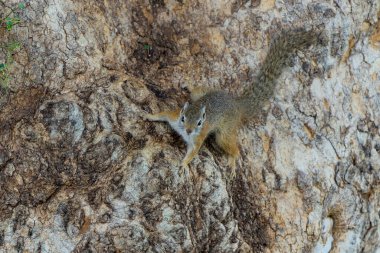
point(199, 123)
point(183, 118)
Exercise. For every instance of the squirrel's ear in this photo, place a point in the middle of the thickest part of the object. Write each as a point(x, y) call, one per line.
point(185, 107)
point(203, 112)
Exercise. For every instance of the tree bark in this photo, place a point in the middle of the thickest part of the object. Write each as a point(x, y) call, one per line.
point(82, 171)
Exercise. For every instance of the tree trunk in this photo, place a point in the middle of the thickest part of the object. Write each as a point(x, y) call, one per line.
point(82, 171)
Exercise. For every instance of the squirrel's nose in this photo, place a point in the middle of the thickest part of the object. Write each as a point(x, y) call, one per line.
point(188, 131)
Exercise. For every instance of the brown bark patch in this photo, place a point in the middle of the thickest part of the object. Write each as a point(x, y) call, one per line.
point(21, 105)
point(253, 225)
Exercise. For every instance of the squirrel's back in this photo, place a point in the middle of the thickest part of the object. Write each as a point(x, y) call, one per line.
point(219, 106)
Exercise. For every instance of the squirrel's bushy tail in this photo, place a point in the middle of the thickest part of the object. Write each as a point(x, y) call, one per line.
point(280, 51)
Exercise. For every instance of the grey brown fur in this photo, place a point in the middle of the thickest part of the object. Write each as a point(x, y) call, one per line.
point(222, 114)
point(279, 54)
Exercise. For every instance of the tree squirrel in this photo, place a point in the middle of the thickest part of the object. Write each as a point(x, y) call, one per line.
point(222, 114)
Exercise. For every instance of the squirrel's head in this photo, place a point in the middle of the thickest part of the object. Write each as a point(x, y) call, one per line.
point(192, 118)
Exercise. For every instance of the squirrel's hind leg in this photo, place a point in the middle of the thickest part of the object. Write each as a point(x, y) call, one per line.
point(228, 142)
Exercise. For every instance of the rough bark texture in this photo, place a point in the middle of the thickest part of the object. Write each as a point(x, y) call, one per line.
point(81, 171)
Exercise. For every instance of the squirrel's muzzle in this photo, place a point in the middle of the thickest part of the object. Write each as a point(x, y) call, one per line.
point(188, 131)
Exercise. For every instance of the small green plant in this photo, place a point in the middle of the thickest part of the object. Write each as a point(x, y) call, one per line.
point(149, 49)
point(10, 22)
point(10, 48)
point(7, 23)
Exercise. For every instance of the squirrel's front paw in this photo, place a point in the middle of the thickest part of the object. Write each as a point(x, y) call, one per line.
point(184, 166)
point(186, 161)
point(150, 117)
